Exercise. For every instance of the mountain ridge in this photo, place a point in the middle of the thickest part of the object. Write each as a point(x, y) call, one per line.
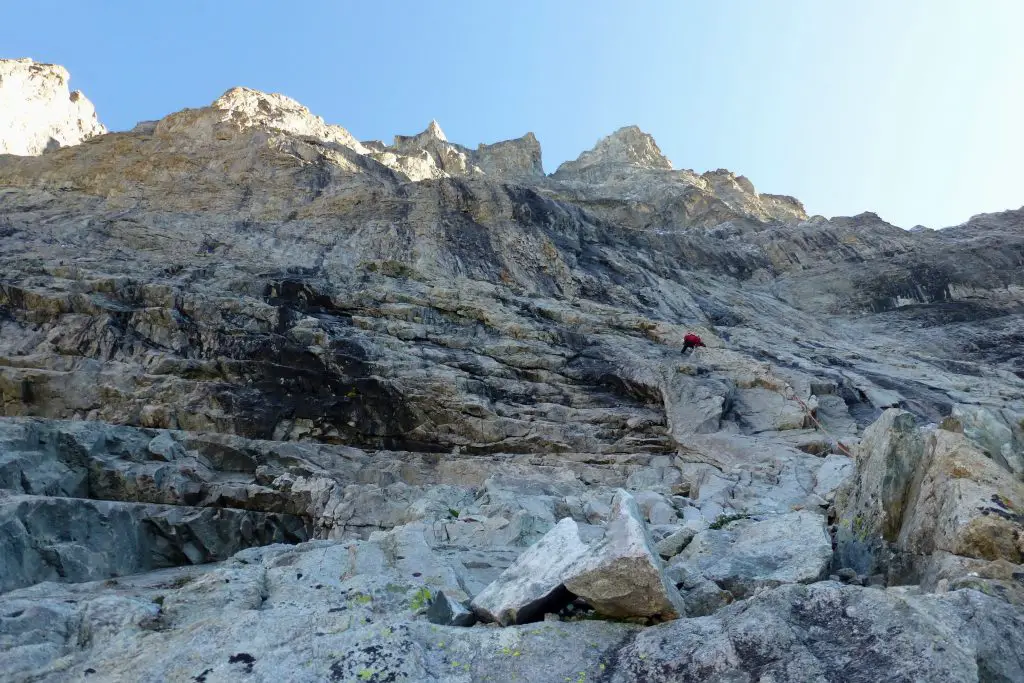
point(279, 404)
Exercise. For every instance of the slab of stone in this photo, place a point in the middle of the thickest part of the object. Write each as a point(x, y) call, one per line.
point(622, 575)
point(673, 545)
point(747, 555)
point(533, 586)
point(447, 612)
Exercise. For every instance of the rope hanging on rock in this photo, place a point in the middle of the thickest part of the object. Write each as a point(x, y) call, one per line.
point(820, 427)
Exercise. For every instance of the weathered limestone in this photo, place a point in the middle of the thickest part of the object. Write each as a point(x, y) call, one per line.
point(426, 355)
point(519, 158)
point(38, 113)
point(628, 145)
point(244, 109)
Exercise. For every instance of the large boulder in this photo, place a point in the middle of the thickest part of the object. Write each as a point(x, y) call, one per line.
point(533, 584)
point(622, 575)
point(922, 494)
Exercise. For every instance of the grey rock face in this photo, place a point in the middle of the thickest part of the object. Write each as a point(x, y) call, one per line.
point(994, 434)
point(49, 539)
point(628, 145)
point(330, 609)
point(519, 158)
point(833, 632)
point(426, 355)
point(748, 555)
point(317, 611)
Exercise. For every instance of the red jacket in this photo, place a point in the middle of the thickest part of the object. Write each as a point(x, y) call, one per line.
point(691, 338)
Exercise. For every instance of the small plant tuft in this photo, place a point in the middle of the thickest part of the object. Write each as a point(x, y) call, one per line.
point(181, 581)
point(952, 424)
point(421, 599)
point(727, 519)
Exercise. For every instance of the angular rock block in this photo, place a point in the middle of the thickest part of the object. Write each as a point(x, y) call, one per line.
point(622, 575)
point(619, 575)
point(533, 584)
point(920, 494)
point(447, 612)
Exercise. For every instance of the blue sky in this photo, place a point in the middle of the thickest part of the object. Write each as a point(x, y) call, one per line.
point(913, 109)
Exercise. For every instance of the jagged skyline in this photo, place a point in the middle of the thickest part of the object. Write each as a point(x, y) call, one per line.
point(277, 404)
point(848, 111)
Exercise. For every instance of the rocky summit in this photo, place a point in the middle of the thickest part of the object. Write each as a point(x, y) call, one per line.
point(281, 405)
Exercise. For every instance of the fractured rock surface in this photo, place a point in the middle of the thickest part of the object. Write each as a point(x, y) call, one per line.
point(47, 539)
point(831, 632)
point(747, 555)
point(929, 506)
point(238, 325)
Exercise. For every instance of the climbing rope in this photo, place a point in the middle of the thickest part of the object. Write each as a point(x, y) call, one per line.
point(820, 427)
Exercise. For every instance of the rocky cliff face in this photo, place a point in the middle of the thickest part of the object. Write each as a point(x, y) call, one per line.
point(239, 326)
point(38, 113)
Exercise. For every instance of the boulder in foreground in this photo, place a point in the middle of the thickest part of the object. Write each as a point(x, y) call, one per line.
point(621, 575)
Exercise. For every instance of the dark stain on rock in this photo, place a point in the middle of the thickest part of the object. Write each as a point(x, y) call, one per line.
point(375, 663)
point(244, 658)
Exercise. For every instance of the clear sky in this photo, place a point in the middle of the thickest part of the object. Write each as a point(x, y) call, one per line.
point(913, 109)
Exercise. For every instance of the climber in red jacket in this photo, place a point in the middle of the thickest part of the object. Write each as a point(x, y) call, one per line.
point(691, 341)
